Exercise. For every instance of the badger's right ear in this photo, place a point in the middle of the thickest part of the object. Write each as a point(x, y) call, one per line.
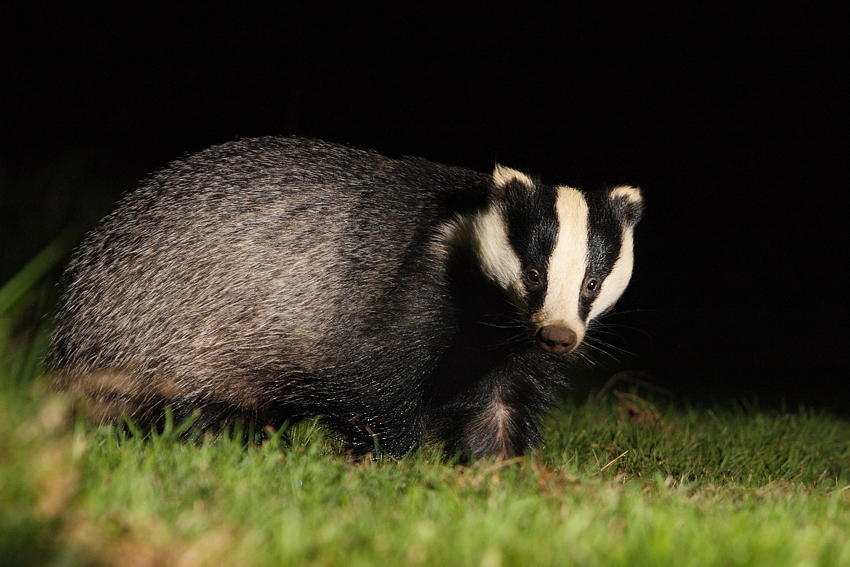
point(503, 176)
point(628, 203)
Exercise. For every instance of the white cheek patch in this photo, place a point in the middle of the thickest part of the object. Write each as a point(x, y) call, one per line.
point(617, 281)
point(495, 253)
point(568, 264)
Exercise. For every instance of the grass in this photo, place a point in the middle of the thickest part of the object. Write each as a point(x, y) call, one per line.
point(620, 481)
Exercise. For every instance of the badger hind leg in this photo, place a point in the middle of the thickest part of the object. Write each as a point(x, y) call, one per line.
point(108, 395)
point(386, 428)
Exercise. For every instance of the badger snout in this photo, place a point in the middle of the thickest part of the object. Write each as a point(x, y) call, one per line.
point(557, 339)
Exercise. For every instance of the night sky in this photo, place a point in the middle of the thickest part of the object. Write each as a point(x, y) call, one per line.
point(732, 121)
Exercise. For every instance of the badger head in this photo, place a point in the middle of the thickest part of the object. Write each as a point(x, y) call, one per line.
point(564, 256)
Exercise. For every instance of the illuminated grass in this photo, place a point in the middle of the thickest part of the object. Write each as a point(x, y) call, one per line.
point(619, 482)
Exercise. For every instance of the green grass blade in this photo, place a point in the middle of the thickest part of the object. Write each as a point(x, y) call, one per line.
point(27, 278)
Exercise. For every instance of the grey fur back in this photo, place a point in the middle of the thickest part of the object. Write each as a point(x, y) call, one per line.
point(254, 265)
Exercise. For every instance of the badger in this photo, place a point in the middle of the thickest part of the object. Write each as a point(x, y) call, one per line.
point(405, 302)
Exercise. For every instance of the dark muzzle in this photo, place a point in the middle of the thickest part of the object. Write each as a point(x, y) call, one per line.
point(557, 339)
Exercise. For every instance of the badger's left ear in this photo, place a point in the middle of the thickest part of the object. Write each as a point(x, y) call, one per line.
point(504, 176)
point(628, 203)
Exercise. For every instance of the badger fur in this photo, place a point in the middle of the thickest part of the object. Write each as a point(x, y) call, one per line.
point(274, 279)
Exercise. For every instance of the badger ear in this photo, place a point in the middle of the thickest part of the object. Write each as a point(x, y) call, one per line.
point(502, 176)
point(628, 203)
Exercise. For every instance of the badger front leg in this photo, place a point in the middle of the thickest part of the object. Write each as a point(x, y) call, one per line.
point(382, 435)
point(390, 423)
point(498, 416)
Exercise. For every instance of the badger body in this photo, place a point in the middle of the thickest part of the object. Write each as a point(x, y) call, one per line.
point(273, 279)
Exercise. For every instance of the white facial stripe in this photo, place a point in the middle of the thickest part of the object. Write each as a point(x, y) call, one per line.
point(495, 253)
point(503, 175)
point(616, 282)
point(568, 263)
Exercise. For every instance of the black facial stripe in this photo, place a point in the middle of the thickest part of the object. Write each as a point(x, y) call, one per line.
point(604, 239)
point(532, 223)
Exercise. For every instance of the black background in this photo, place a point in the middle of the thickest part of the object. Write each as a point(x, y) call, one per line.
point(732, 120)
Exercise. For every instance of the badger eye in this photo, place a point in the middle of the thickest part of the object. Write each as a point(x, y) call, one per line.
point(534, 276)
point(591, 286)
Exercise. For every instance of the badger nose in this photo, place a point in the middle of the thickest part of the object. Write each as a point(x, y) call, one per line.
point(557, 339)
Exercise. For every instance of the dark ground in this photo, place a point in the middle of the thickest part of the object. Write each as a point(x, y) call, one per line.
point(731, 120)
